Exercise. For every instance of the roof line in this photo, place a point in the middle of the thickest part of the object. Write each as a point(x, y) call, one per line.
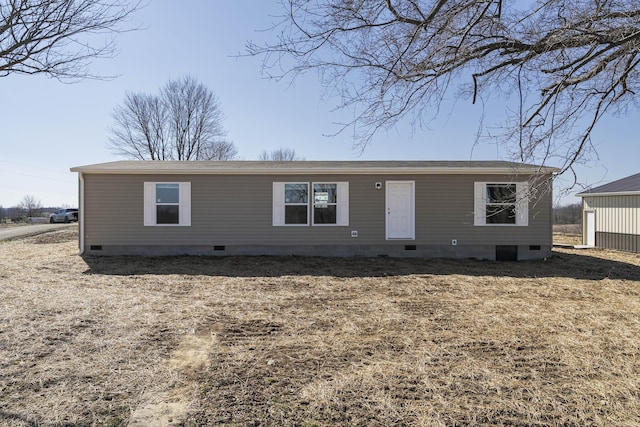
point(324, 167)
point(613, 193)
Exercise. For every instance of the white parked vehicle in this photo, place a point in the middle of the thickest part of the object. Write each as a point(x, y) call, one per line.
point(64, 215)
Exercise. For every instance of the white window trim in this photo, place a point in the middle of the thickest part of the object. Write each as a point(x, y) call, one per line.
point(342, 204)
point(342, 210)
point(279, 204)
point(184, 205)
point(480, 204)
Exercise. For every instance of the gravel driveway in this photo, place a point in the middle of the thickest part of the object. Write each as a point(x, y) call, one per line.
point(16, 232)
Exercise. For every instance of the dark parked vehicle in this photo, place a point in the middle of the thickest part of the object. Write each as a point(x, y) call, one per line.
point(64, 215)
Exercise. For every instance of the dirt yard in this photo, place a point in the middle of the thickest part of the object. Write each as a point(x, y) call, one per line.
point(259, 341)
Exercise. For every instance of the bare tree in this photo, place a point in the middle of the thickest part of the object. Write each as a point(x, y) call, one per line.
point(221, 150)
point(58, 37)
point(568, 214)
point(139, 131)
point(279, 155)
point(183, 122)
point(30, 206)
point(560, 66)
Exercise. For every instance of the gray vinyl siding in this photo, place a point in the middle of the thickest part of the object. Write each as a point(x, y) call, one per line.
point(237, 210)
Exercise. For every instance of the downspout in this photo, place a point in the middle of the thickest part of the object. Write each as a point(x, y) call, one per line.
point(81, 208)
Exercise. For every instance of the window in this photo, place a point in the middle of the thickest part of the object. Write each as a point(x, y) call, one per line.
point(499, 203)
point(296, 204)
point(167, 203)
point(328, 204)
point(325, 204)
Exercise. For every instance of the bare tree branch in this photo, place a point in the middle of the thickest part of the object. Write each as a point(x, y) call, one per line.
point(279, 155)
point(184, 122)
point(59, 37)
point(567, 63)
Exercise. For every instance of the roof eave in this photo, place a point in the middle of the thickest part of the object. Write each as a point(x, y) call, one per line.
point(324, 171)
point(613, 193)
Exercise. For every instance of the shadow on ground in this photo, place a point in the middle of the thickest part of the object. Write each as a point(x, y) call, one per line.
point(579, 265)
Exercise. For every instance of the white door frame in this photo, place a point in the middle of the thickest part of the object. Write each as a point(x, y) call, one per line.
point(409, 232)
point(590, 227)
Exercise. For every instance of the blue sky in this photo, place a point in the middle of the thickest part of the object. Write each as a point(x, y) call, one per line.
point(48, 127)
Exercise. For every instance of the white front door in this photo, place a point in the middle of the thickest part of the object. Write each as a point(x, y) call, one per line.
point(400, 205)
point(590, 228)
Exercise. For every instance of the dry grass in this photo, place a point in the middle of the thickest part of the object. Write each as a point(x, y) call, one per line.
point(319, 342)
point(569, 229)
point(567, 234)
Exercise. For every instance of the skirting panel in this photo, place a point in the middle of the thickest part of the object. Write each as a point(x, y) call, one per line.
point(399, 250)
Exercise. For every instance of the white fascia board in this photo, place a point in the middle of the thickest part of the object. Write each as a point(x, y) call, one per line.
point(618, 193)
point(320, 171)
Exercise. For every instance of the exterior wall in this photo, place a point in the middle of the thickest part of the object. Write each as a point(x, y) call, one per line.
point(235, 212)
point(617, 221)
point(617, 241)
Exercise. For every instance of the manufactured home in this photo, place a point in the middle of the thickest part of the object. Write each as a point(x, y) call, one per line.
point(448, 209)
point(611, 215)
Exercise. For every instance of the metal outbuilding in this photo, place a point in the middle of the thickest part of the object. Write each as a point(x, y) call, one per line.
point(611, 215)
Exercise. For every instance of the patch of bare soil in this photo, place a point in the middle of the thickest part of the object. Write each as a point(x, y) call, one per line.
point(258, 341)
point(169, 406)
point(62, 236)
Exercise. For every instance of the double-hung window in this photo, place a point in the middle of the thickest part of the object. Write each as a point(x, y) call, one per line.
point(325, 204)
point(316, 203)
point(296, 204)
point(501, 203)
point(167, 203)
